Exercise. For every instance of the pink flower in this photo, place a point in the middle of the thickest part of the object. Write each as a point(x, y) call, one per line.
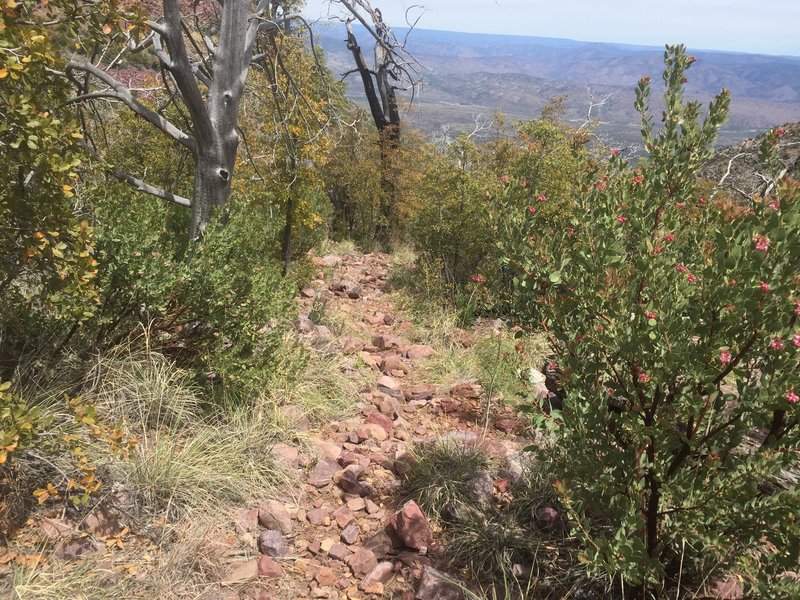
point(780, 132)
point(637, 179)
point(776, 344)
point(644, 378)
point(478, 278)
point(692, 278)
point(775, 204)
point(796, 340)
point(615, 152)
point(670, 237)
point(523, 183)
point(692, 59)
point(681, 268)
point(680, 204)
point(650, 315)
point(761, 243)
point(570, 231)
point(702, 200)
point(644, 80)
point(542, 198)
point(552, 365)
point(620, 219)
point(504, 179)
point(531, 209)
point(600, 185)
point(724, 357)
point(764, 286)
point(791, 397)
point(656, 250)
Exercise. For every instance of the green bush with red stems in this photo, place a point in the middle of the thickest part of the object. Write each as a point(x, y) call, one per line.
point(674, 322)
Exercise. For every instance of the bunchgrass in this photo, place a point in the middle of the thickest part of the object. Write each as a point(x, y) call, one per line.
point(440, 478)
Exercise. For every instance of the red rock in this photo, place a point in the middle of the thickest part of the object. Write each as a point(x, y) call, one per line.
point(315, 547)
point(343, 516)
point(339, 552)
point(411, 526)
point(308, 292)
point(273, 515)
point(327, 449)
point(267, 567)
point(374, 320)
point(76, 548)
point(371, 431)
point(507, 425)
point(391, 362)
point(316, 516)
point(270, 542)
point(353, 458)
point(468, 391)
point(373, 582)
point(385, 342)
point(378, 418)
point(350, 534)
point(323, 472)
point(104, 520)
point(242, 572)
point(372, 508)
point(325, 576)
point(388, 383)
point(54, 529)
point(729, 588)
point(362, 561)
point(285, 455)
point(435, 585)
point(419, 392)
point(351, 345)
point(419, 351)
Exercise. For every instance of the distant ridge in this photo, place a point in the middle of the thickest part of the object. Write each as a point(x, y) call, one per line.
point(467, 74)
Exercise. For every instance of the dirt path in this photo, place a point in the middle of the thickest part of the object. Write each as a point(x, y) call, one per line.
point(336, 535)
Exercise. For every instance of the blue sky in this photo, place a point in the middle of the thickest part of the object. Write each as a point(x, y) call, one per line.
point(761, 26)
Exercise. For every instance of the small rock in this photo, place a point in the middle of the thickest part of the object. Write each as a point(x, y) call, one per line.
point(316, 516)
point(272, 515)
point(435, 585)
point(350, 534)
point(246, 520)
point(348, 481)
point(381, 544)
point(356, 504)
point(351, 345)
point(378, 418)
point(304, 325)
point(507, 425)
point(354, 293)
point(385, 342)
point(418, 352)
point(419, 392)
point(467, 391)
point(308, 292)
point(411, 526)
point(391, 363)
point(315, 547)
point(76, 548)
point(267, 567)
point(325, 576)
point(362, 561)
point(343, 515)
point(729, 588)
point(373, 582)
point(482, 488)
point(372, 508)
point(547, 518)
point(104, 521)
point(285, 455)
point(388, 384)
point(339, 552)
point(374, 320)
point(329, 260)
point(323, 472)
point(242, 572)
point(270, 542)
point(328, 449)
point(295, 417)
point(371, 431)
point(54, 529)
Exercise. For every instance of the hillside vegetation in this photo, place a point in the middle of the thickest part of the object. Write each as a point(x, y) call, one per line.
point(257, 344)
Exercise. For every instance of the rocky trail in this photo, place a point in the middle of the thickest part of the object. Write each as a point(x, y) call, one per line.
point(346, 532)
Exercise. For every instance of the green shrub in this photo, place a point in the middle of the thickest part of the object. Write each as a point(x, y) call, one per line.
point(685, 313)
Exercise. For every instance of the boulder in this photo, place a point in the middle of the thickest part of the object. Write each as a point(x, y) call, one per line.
point(435, 585)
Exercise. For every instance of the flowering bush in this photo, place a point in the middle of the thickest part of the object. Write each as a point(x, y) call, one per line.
point(675, 324)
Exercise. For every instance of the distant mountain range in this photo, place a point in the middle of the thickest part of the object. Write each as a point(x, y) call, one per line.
point(468, 74)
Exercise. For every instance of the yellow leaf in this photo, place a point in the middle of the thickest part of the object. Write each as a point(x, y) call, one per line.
point(3, 73)
point(3, 456)
point(106, 28)
point(11, 4)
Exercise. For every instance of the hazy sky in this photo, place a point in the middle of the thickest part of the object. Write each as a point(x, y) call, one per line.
point(763, 26)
